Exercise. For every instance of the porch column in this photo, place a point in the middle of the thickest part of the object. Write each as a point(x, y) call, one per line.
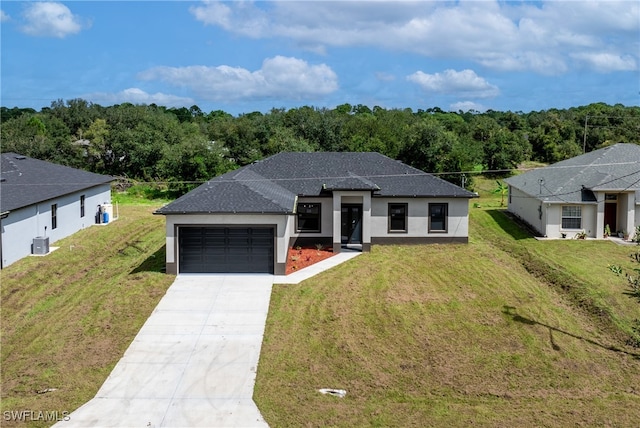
point(630, 214)
point(337, 222)
point(171, 265)
point(600, 216)
point(366, 222)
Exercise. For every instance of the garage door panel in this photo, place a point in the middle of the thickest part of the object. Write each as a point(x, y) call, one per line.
point(219, 249)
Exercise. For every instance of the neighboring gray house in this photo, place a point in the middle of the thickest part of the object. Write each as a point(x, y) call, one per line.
point(584, 193)
point(246, 220)
point(42, 200)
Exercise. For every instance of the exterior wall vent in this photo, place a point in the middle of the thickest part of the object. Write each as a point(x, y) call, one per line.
point(40, 245)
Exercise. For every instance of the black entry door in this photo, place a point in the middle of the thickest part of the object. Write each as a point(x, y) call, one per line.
point(226, 249)
point(351, 219)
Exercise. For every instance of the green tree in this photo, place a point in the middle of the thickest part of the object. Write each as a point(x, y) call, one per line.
point(502, 189)
point(98, 136)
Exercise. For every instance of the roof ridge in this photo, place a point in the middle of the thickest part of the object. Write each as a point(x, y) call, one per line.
point(272, 192)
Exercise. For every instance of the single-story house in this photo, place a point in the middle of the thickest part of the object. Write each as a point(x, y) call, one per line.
point(42, 202)
point(584, 193)
point(247, 219)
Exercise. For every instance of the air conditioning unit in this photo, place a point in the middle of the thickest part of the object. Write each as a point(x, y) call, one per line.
point(40, 245)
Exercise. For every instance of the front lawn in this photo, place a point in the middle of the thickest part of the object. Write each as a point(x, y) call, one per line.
point(504, 331)
point(67, 318)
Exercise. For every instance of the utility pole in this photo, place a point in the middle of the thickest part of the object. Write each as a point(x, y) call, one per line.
point(584, 142)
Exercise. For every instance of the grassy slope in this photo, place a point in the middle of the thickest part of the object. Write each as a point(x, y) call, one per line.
point(504, 331)
point(67, 318)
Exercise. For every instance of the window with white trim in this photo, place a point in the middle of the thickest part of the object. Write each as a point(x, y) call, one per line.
point(571, 217)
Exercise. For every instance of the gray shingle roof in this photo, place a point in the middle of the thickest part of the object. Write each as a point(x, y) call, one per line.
point(272, 184)
point(613, 168)
point(26, 181)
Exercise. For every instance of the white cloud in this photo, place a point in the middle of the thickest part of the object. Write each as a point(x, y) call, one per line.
point(3, 16)
point(50, 19)
point(465, 106)
point(138, 96)
point(508, 36)
point(606, 62)
point(243, 18)
point(462, 83)
point(281, 77)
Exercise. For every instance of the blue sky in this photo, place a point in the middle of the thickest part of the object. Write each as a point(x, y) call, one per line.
point(245, 56)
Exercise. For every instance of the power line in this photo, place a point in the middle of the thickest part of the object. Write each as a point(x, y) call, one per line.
point(550, 194)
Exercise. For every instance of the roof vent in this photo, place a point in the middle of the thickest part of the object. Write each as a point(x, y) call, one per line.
point(20, 157)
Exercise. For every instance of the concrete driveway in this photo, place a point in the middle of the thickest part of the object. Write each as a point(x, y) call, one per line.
point(193, 363)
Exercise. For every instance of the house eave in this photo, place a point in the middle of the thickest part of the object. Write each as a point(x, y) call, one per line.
point(288, 212)
point(13, 207)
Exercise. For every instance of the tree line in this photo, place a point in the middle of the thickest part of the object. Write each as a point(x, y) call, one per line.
point(183, 147)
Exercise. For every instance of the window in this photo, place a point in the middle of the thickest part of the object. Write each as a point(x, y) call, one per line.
point(81, 205)
point(397, 217)
point(438, 217)
point(309, 217)
point(54, 216)
point(572, 217)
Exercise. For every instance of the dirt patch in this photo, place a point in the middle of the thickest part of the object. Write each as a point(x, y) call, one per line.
point(300, 258)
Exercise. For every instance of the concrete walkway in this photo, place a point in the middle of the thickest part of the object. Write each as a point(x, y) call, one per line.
point(194, 362)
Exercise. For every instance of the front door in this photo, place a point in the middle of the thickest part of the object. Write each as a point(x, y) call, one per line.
point(610, 216)
point(351, 231)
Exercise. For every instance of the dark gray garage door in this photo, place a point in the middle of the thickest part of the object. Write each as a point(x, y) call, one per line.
point(226, 249)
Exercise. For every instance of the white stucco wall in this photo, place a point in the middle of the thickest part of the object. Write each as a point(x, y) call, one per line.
point(418, 210)
point(589, 221)
point(628, 208)
point(529, 209)
point(550, 224)
point(375, 220)
point(326, 218)
point(636, 221)
point(22, 225)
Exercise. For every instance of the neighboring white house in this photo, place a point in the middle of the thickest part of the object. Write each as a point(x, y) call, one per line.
point(246, 220)
point(584, 193)
point(46, 202)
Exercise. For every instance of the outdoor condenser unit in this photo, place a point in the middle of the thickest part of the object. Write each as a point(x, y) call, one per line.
point(41, 245)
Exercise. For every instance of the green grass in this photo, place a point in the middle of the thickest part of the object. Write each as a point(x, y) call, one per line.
point(141, 195)
point(67, 318)
point(504, 331)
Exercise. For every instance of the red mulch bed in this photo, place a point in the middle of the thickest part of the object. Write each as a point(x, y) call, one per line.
point(299, 258)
